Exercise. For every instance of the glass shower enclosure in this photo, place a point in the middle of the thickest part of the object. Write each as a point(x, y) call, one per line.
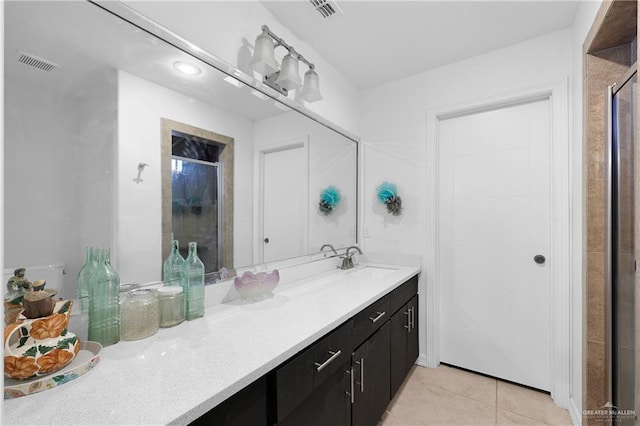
point(620, 250)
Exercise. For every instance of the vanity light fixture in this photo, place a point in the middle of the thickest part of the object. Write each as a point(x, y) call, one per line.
point(186, 68)
point(286, 77)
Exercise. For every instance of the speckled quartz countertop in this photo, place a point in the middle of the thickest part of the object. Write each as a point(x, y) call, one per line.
point(182, 372)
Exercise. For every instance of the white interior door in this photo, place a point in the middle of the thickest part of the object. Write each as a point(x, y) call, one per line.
point(494, 218)
point(284, 202)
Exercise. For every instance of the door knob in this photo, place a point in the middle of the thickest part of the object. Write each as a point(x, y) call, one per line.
point(539, 259)
point(266, 240)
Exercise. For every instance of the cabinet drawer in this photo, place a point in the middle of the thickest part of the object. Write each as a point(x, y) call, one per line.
point(404, 293)
point(370, 319)
point(300, 376)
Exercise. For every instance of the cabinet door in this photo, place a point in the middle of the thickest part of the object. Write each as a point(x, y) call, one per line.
point(412, 333)
point(404, 342)
point(329, 404)
point(372, 381)
point(399, 329)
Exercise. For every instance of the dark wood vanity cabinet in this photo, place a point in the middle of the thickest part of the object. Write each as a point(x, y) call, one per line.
point(328, 404)
point(345, 378)
point(383, 345)
point(313, 384)
point(246, 408)
point(404, 341)
point(370, 369)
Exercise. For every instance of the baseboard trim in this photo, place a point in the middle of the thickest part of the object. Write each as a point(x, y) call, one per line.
point(574, 412)
point(422, 361)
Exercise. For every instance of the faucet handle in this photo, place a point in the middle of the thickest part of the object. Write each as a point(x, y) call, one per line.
point(347, 263)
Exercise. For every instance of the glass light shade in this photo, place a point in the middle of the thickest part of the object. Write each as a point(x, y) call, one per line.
point(289, 77)
point(311, 89)
point(263, 60)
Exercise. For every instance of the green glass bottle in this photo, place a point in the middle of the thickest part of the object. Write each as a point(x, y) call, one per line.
point(173, 266)
point(104, 306)
point(82, 282)
point(193, 283)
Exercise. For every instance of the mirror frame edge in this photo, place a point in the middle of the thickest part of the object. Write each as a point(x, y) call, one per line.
point(128, 14)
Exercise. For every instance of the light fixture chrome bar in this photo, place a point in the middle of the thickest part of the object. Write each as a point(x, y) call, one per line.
point(280, 42)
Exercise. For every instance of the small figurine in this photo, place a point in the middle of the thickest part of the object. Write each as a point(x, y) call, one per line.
point(18, 286)
point(37, 304)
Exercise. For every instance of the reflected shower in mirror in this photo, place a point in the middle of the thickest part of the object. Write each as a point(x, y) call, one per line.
point(78, 124)
point(197, 192)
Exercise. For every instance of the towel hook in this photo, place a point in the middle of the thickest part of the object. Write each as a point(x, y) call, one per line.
point(141, 167)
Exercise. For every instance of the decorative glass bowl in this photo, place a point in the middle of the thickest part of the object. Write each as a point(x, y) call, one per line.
point(256, 286)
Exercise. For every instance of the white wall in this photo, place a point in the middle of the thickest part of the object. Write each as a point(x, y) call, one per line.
point(228, 30)
point(59, 148)
point(138, 226)
point(394, 130)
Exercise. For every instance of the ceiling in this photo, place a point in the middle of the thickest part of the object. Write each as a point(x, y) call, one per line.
point(89, 44)
point(374, 42)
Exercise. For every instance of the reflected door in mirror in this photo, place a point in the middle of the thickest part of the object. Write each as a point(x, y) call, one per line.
point(284, 201)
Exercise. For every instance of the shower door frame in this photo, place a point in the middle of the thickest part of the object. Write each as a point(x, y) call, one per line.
point(612, 90)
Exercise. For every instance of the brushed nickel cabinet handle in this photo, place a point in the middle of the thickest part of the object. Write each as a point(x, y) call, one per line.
point(413, 317)
point(334, 355)
point(411, 323)
point(379, 315)
point(352, 386)
point(408, 314)
point(361, 375)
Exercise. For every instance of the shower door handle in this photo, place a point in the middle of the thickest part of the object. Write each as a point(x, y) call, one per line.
point(539, 259)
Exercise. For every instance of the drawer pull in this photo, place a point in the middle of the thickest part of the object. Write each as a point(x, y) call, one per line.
point(380, 315)
point(408, 314)
point(334, 355)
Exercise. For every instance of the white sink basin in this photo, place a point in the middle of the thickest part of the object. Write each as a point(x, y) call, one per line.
point(372, 272)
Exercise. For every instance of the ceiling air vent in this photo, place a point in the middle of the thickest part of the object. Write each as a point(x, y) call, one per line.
point(327, 8)
point(34, 61)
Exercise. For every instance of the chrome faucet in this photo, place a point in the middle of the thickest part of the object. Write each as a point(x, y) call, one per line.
point(347, 260)
point(329, 246)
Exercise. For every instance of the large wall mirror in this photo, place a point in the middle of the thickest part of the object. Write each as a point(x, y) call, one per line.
point(87, 96)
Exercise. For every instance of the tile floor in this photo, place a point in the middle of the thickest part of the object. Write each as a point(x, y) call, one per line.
point(450, 396)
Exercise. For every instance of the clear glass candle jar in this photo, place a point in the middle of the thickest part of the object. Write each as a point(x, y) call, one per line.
point(172, 305)
point(140, 314)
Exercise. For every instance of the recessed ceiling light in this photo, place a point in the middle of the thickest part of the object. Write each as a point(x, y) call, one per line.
point(186, 68)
